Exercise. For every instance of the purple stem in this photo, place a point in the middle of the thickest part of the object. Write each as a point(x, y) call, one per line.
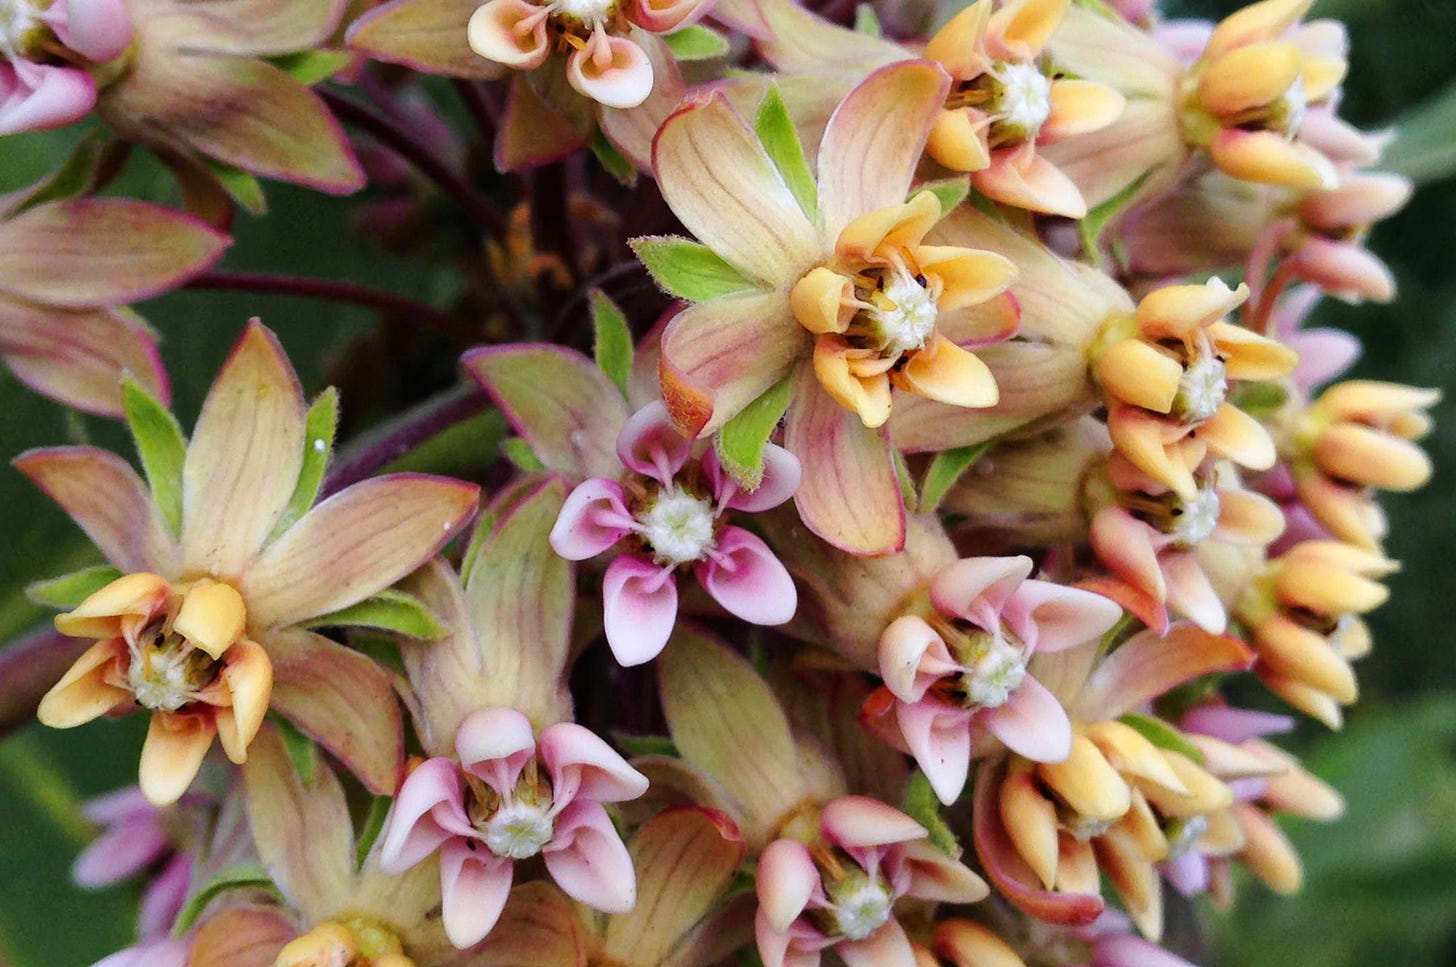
point(387, 443)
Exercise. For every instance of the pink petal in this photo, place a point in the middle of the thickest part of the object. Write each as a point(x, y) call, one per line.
point(1123, 543)
point(1191, 594)
point(639, 608)
point(651, 445)
point(59, 96)
point(746, 578)
point(886, 947)
point(492, 33)
point(594, 517)
point(474, 887)
point(624, 81)
point(787, 948)
point(123, 850)
point(1147, 665)
point(1125, 950)
point(494, 744)
point(163, 898)
point(118, 805)
point(663, 16)
point(1057, 617)
point(859, 821)
point(1234, 725)
point(787, 878)
point(582, 766)
point(428, 811)
point(171, 952)
point(1188, 873)
point(938, 735)
point(977, 588)
point(913, 656)
point(588, 861)
point(1032, 723)
point(97, 29)
point(781, 474)
point(1323, 355)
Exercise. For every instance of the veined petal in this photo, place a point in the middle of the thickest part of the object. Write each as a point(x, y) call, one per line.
point(1147, 665)
point(428, 35)
point(104, 495)
point(874, 141)
point(745, 577)
point(850, 495)
point(640, 602)
point(78, 357)
point(719, 356)
point(240, 937)
point(244, 459)
point(356, 543)
point(715, 177)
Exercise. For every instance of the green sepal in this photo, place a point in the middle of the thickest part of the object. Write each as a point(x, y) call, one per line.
point(388, 611)
point(69, 590)
point(161, 446)
point(318, 445)
point(612, 345)
point(309, 67)
point(1259, 399)
point(373, 826)
point(640, 745)
point(241, 186)
point(301, 749)
point(687, 270)
point(922, 806)
point(908, 496)
point(520, 454)
point(74, 176)
point(867, 22)
point(1162, 735)
point(248, 876)
point(1092, 227)
point(696, 43)
point(615, 163)
point(944, 471)
point(780, 140)
point(950, 192)
point(741, 441)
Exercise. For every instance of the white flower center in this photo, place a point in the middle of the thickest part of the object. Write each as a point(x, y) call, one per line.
point(1201, 389)
point(904, 316)
point(1296, 102)
point(1084, 828)
point(679, 527)
point(519, 829)
point(17, 19)
point(1183, 833)
point(995, 672)
point(860, 905)
point(168, 676)
point(589, 12)
point(1199, 518)
point(1026, 97)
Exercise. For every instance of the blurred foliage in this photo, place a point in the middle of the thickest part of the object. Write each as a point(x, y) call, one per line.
point(1381, 883)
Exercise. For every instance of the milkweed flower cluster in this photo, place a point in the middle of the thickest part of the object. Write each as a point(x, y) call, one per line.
point(865, 474)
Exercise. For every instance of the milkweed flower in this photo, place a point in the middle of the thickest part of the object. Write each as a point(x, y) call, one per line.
point(136, 837)
point(220, 560)
point(47, 55)
point(671, 507)
point(838, 292)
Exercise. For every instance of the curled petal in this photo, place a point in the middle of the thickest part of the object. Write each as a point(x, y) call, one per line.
point(787, 878)
point(1125, 545)
point(1061, 616)
point(946, 373)
point(510, 32)
point(1267, 158)
point(120, 852)
point(1032, 723)
point(651, 445)
point(854, 822)
point(746, 578)
point(640, 603)
point(886, 947)
point(1023, 178)
point(1021, 30)
point(588, 861)
point(781, 475)
point(413, 830)
point(1235, 434)
point(594, 517)
point(583, 766)
point(938, 735)
point(661, 16)
point(84, 693)
point(958, 139)
point(912, 656)
point(474, 887)
point(248, 674)
point(1080, 107)
point(867, 395)
point(621, 78)
point(59, 96)
point(495, 744)
point(1192, 595)
point(977, 588)
point(98, 29)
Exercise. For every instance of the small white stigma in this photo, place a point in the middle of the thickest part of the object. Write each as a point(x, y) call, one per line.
point(590, 12)
point(1183, 834)
point(679, 527)
point(861, 905)
point(1026, 97)
point(518, 829)
point(1199, 518)
point(1201, 389)
point(995, 672)
point(909, 319)
point(162, 679)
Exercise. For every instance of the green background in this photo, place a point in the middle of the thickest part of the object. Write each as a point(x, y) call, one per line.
point(1381, 883)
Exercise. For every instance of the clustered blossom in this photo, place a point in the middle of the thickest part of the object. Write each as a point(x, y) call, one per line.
point(984, 493)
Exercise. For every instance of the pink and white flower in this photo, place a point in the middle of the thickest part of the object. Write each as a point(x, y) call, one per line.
point(840, 890)
point(36, 93)
point(667, 514)
point(512, 796)
point(963, 665)
point(137, 836)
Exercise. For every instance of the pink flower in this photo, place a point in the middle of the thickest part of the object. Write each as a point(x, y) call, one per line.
point(136, 837)
point(671, 506)
point(509, 798)
point(165, 952)
point(840, 891)
point(35, 92)
point(965, 663)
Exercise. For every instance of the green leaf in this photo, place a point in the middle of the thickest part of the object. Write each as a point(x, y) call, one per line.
point(612, 160)
point(160, 445)
point(519, 453)
point(387, 611)
point(373, 826)
point(922, 806)
point(464, 449)
point(1423, 149)
point(249, 876)
point(1162, 735)
point(866, 21)
point(318, 445)
point(907, 483)
point(637, 745)
point(780, 140)
point(740, 443)
point(301, 750)
point(687, 270)
point(241, 187)
point(944, 471)
point(67, 591)
point(311, 66)
point(1095, 224)
point(613, 342)
point(696, 43)
point(950, 192)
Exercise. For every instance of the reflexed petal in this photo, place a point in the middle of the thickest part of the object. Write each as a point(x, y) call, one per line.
point(495, 32)
point(474, 887)
point(428, 35)
point(787, 878)
point(640, 604)
point(592, 520)
point(747, 578)
point(240, 937)
point(1032, 723)
point(974, 586)
point(122, 851)
point(650, 445)
point(588, 861)
point(582, 766)
point(172, 754)
point(412, 832)
point(1147, 665)
point(624, 81)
